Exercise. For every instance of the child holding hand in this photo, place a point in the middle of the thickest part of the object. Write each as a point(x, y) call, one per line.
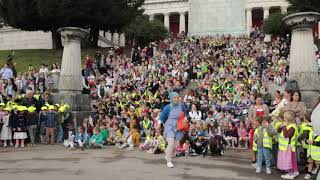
point(263, 139)
point(288, 135)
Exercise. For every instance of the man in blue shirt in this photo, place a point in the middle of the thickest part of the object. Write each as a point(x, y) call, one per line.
point(6, 73)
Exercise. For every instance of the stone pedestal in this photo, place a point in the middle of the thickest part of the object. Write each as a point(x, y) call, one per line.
point(303, 66)
point(70, 84)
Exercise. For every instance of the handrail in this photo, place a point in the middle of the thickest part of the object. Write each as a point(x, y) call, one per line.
point(107, 41)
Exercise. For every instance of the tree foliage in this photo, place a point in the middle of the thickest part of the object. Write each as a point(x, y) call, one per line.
point(50, 15)
point(144, 31)
point(305, 5)
point(274, 25)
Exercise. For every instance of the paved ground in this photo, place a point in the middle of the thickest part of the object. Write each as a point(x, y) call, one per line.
point(55, 162)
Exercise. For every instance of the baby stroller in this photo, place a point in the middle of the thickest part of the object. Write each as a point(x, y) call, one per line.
point(216, 145)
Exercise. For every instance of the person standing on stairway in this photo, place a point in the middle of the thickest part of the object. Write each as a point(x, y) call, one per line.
point(169, 117)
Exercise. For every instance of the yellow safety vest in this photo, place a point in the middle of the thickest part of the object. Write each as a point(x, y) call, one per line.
point(305, 127)
point(276, 125)
point(162, 143)
point(284, 142)
point(315, 150)
point(267, 140)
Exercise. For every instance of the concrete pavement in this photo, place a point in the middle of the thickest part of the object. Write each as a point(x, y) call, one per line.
point(56, 162)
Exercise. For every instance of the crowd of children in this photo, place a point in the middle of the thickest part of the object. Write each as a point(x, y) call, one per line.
point(228, 102)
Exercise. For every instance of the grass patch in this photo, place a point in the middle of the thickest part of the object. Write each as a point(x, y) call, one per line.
point(23, 58)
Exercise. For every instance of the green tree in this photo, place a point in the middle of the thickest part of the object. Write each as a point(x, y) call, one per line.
point(143, 31)
point(304, 5)
point(274, 25)
point(50, 15)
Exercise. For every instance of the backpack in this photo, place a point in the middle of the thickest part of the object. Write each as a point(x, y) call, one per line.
point(292, 85)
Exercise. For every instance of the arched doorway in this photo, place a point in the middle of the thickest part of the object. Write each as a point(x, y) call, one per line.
point(174, 24)
point(257, 18)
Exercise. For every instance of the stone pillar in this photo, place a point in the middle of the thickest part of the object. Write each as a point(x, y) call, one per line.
point(284, 9)
point(303, 67)
point(249, 19)
point(70, 76)
point(182, 22)
point(319, 29)
point(122, 40)
point(70, 83)
point(266, 11)
point(115, 38)
point(167, 21)
point(151, 17)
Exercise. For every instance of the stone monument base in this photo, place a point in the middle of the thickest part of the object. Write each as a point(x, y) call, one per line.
point(80, 104)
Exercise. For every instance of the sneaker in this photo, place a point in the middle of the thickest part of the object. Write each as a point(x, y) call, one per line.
point(16, 146)
point(295, 174)
point(22, 145)
point(258, 170)
point(33, 145)
point(287, 176)
point(5, 145)
point(268, 171)
point(170, 165)
point(254, 165)
point(307, 176)
point(314, 171)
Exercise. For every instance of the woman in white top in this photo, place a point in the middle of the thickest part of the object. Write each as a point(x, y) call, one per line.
point(194, 114)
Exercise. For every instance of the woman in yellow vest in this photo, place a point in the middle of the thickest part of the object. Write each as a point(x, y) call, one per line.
point(288, 136)
point(263, 140)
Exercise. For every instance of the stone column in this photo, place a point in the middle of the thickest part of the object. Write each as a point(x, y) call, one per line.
point(182, 22)
point(122, 40)
point(303, 66)
point(266, 12)
point(70, 84)
point(284, 9)
point(70, 76)
point(167, 21)
point(319, 29)
point(115, 38)
point(249, 19)
point(151, 17)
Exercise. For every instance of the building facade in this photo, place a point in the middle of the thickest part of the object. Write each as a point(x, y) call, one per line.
point(207, 17)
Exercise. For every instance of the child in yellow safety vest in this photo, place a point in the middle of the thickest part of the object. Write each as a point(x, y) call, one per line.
point(276, 123)
point(263, 139)
point(288, 136)
point(305, 137)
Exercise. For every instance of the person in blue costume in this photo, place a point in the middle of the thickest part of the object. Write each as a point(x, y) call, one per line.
point(169, 117)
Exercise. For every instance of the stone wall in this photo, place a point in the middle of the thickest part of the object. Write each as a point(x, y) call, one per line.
point(17, 39)
point(208, 17)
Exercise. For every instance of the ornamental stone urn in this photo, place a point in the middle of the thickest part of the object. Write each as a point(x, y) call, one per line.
point(71, 80)
point(303, 67)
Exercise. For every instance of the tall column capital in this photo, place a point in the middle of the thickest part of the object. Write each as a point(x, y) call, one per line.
point(182, 13)
point(266, 8)
point(166, 14)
